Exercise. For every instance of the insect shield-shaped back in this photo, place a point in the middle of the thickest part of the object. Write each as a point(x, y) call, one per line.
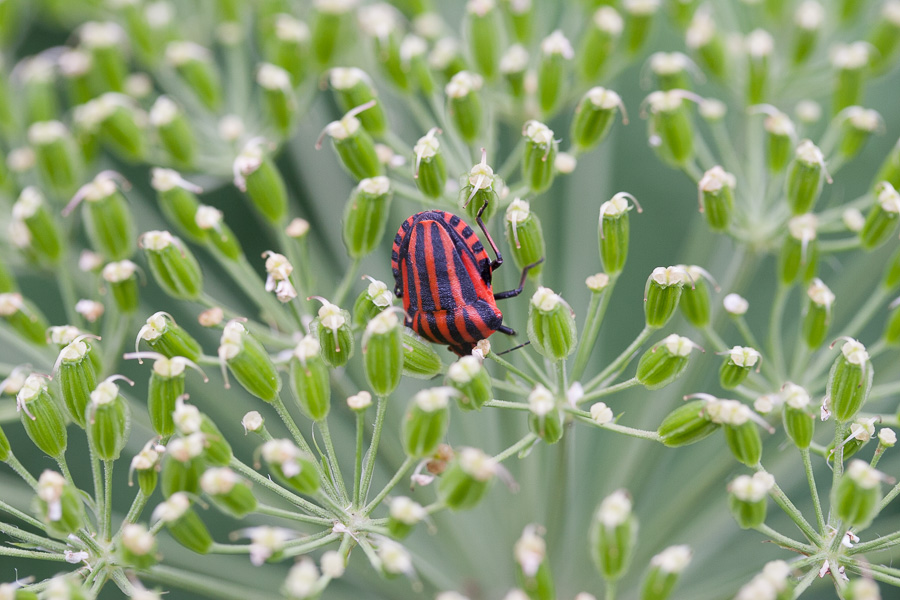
point(443, 274)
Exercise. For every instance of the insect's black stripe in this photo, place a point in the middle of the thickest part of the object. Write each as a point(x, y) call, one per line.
point(471, 327)
point(454, 221)
point(411, 295)
point(436, 334)
point(466, 287)
point(488, 315)
point(467, 233)
point(439, 260)
point(420, 254)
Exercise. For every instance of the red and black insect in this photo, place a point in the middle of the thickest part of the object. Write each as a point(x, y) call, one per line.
point(443, 274)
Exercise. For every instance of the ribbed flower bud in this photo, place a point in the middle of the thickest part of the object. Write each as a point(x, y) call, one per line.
point(59, 504)
point(850, 62)
point(464, 104)
point(372, 301)
point(856, 495)
point(514, 67)
point(287, 45)
point(665, 362)
point(118, 121)
point(310, 379)
point(539, 156)
point(808, 19)
point(56, 155)
point(138, 546)
point(532, 565)
point(5, 448)
point(556, 52)
point(404, 514)
point(256, 175)
point(248, 361)
point(353, 144)
point(353, 87)
point(430, 171)
point(182, 464)
point(716, 189)
point(857, 126)
point(671, 69)
point(183, 523)
point(861, 431)
point(426, 421)
point(882, 218)
point(122, 281)
point(165, 336)
point(44, 421)
point(173, 265)
point(747, 498)
point(108, 219)
point(291, 466)
point(694, 302)
point(366, 214)
point(173, 131)
point(77, 376)
point(849, 381)
point(546, 419)
point(165, 387)
point(739, 361)
point(665, 570)
point(278, 96)
point(419, 357)
point(818, 313)
point(885, 36)
point(599, 42)
point(31, 210)
point(178, 200)
point(228, 491)
point(741, 431)
point(146, 464)
point(479, 189)
point(525, 236)
point(614, 232)
point(466, 479)
point(799, 423)
point(594, 116)
point(800, 251)
point(780, 139)
point(331, 22)
point(759, 45)
point(470, 378)
point(483, 32)
point(671, 130)
point(383, 352)
point(551, 324)
point(662, 294)
point(109, 420)
point(24, 317)
point(613, 535)
point(196, 67)
point(706, 41)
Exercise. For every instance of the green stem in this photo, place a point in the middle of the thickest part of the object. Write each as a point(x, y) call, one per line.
point(31, 538)
point(300, 440)
point(507, 404)
point(610, 590)
point(513, 369)
point(265, 509)
point(373, 449)
point(407, 464)
point(332, 459)
point(526, 442)
point(791, 511)
point(350, 276)
point(21, 471)
point(641, 434)
point(137, 507)
point(6, 551)
point(838, 469)
point(21, 515)
point(312, 542)
point(106, 525)
point(785, 541)
point(358, 461)
point(806, 581)
point(591, 329)
point(776, 349)
point(810, 477)
point(879, 543)
point(191, 581)
point(270, 485)
point(622, 360)
point(629, 383)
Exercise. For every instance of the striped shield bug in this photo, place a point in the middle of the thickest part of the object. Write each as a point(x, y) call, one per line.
point(443, 273)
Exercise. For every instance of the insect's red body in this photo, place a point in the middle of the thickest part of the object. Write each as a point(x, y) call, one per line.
point(443, 274)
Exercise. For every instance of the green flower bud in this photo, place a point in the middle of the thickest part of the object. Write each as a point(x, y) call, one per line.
point(430, 170)
point(287, 45)
point(741, 432)
point(366, 215)
point(759, 44)
point(639, 20)
point(716, 189)
point(514, 66)
point(665, 570)
point(594, 117)
point(40, 98)
point(353, 88)
point(808, 20)
point(146, 463)
point(469, 377)
point(77, 377)
point(891, 277)
point(613, 535)
point(861, 431)
point(150, 27)
point(333, 330)
point(196, 67)
point(178, 201)
point(798, 422)
point(426, 421)
point(403, 516)
point(849, 381)
point(165, 387)
point(381, 23)
point(539, 156)
point(447, 58)
point(780, 136)
point(466, 479)
point(375, 299)
point(122, 281)
point(694, 303)
point(173, 265)
point(520, 15)
point(556, 52)
point(800, 252)
point(58, 159)
point(173, 131)
point(551, 324)
point(291, 466)
point(383, 352)
point(739, 361)
point(545, 419)
point(118, 122)
point(885, 36)
point(31, 210)
point(278, 96)
point(44, 422)
point(24, 317)
point(228, 492)
point(857, 494)
point(662, 293)
point(747, 498)
point(671, 130)
point(665, 362)
point(107, 217)
point(165, 336)
point(483, 32)
point(890, 168)
point(59, 505)
point(862, 589)
point(256, 175)
point(331, 21)
point(218, 234)
point(419, 358)
point(882, 219)
point(5, 449)
point(614, 232)
point(525, 237)
point(105, 42)
point(706, 41)
point(7, 279)
point(480, 189)
point(464, 104)
point(599, 41)
point(818, 313)
point(353, 144)
point(891, 334)
point(532, 566)
point(183, 523)
point(850, 62)
point(310, 379)
point(183, 464)
point(248, 361)
point(138, 546)
point(671, 70)
point(858, 125)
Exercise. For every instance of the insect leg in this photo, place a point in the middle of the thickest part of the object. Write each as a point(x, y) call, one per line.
point(522, 345)
point(506, 330)
point(499, 261)
point(518, 290)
